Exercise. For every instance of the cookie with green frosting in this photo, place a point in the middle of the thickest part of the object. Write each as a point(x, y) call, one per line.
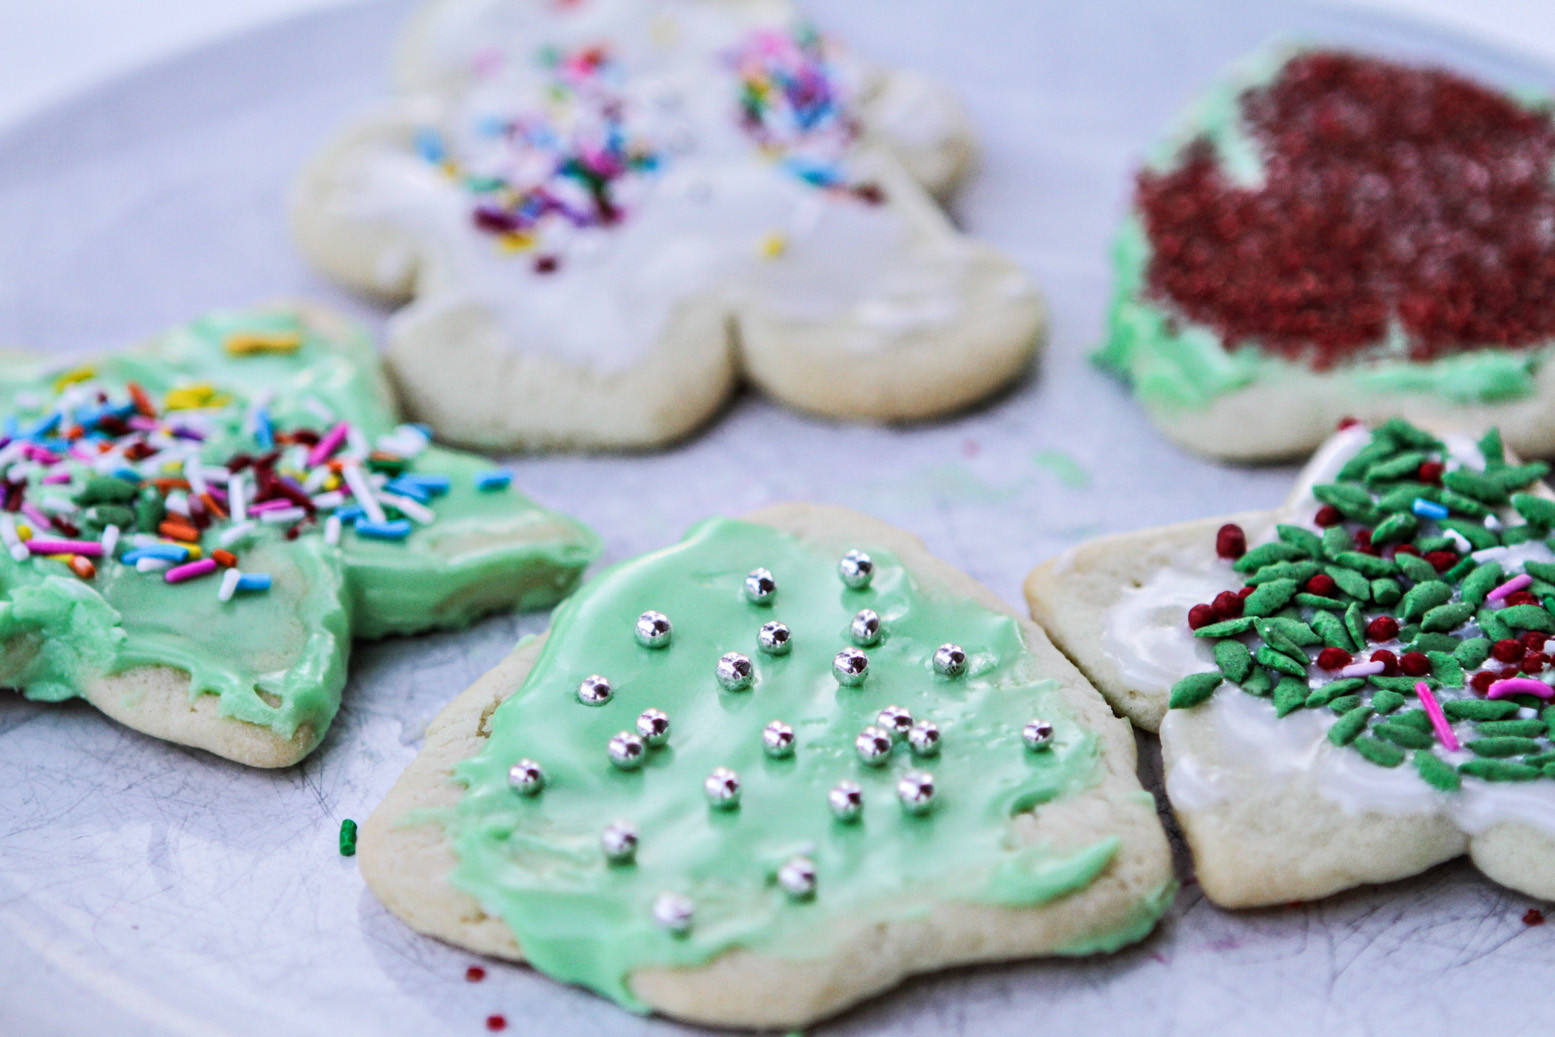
point(1349, 688)
point(192, 531)
point(1320, 236)
point(757, 776)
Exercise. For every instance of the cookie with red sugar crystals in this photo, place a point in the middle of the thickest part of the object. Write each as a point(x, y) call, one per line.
point(1332, 233)
point(1317, 742)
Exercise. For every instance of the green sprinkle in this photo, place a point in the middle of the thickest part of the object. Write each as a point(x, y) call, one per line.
point(1365, 457)
point(1478, 709)
point(1418, 719)
point(1347, 727)
point(1514, 535)
point(1386, 592)
point(1481, 582)
point(106, 489)
point(1396, 528)
point(1448, 617)
point(348, 838)
point(1344, 703)
point(1269, 598)
point(1539, 511)
point(1530, 728)
point(1527, 617)
point(1353, 501)
point(1501, 745)
point(1332, 630)
point(1326, 694)
point(1472, 652)
point(1416, 568)
point(1369, 566)
point(1540, 759)
point(1477, 535)
point(1265, 554)
point(1402, 497)
point(1472, 484)
point(1351, 582)
point(1295, 631)
point(1432, 642)
point(1445, 668)
point(1226, 628)
point(1277, 660)
point(1406, 735)
point(1540, 570)
point(1259, 683)
point(1436, 543)
point(150, 510)
point(1336, 540)
point(1387, 700)
point(1317, 601)
point(1301, 572)
point(1234, 660)
point(1290, 694)
point(1400, 686)
point(1423, 597)
point(1491, 623)
point(1378, 752)
point(1355, 623)
point(1436, 773)
point(1491, 448)
point(1194, 689)
point(1398, 466)
point(1301, 538)
point(1464, 503)
point(1408, 632)
point(1405, 434)
point(1499, 770)
point(1515, 477)
point(1459, 571)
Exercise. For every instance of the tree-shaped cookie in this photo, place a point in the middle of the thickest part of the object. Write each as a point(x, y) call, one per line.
point(1330, 234)
point(757, 776)
point(1350, 688)
point(193, 530)
point(605, 214)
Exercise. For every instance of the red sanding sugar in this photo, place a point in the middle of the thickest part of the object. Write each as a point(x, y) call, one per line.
point(1391, 194)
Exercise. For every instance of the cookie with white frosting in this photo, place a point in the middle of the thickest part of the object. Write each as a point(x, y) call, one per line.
point(604, 215)
point(1333, 233)
point(192, 531)
point(1350, 688)
point(757, 776)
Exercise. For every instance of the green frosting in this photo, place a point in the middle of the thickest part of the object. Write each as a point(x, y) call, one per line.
point(276, 659)
point(1176, 364)
point(536, 862)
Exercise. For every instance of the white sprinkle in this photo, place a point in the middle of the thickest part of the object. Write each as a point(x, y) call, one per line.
point(412, 509)
point(8, 535)
point(1459, 541)
point(235, 532)
point(356, 443)
point(196, 477)
point(229, 585)
point(1362, 669)
point(328, 501)
point(316, 479)
point(144, 540)
point(152, 565)
point(110, 540)
point(332, 530)
point(237, 497)
point(178, 503)
point(56, 506)
point(279, 516)
point(313, 405)
point(362, 490)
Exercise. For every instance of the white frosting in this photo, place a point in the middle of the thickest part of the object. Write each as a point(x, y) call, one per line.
point(1147, 636)
point(705, 225)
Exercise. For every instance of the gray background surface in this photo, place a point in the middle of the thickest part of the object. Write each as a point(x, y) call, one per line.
point(146, 888)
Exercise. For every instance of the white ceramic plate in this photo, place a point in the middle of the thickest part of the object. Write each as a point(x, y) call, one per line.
point(150, 889)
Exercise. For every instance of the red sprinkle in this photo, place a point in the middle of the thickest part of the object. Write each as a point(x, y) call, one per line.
point(496, 1023)
point(1521, 598)
point(474, 974)
point(1508, 650)
point(1534, 640)
point(1230, 541)
point(1328, 515)
point(1482, 681)
point(1406, 549)
point(1388, 660)
point(1415, 664)
point(1431, 471)
point(1245, 591)
point(1200, 616)
point(1442, 560)
point(1348, 421)
point(1227, 605)
point(1535, 662)
point(1383, 628)
point(1533, 916)
point(1333, 658)
point(1322, 584)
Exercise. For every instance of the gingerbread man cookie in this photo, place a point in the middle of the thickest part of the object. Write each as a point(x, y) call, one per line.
point(605, 214)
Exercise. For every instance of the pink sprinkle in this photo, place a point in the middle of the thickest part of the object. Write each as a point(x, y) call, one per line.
point(1362, 669)
point(328, 445)
point(1520, 686)
point(190, 570)
point(1433, 709)
point(56, 478)
point(270, 505)
point(1511, 586)
point(48, 546)
point(42, 456)
point(141, 423)
point(38, 518)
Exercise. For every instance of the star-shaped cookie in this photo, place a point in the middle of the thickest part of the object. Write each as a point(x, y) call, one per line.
point(762, 774)
point(193, 530)
point(1333, 233)
point(1349, 688)
point(604, 214)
